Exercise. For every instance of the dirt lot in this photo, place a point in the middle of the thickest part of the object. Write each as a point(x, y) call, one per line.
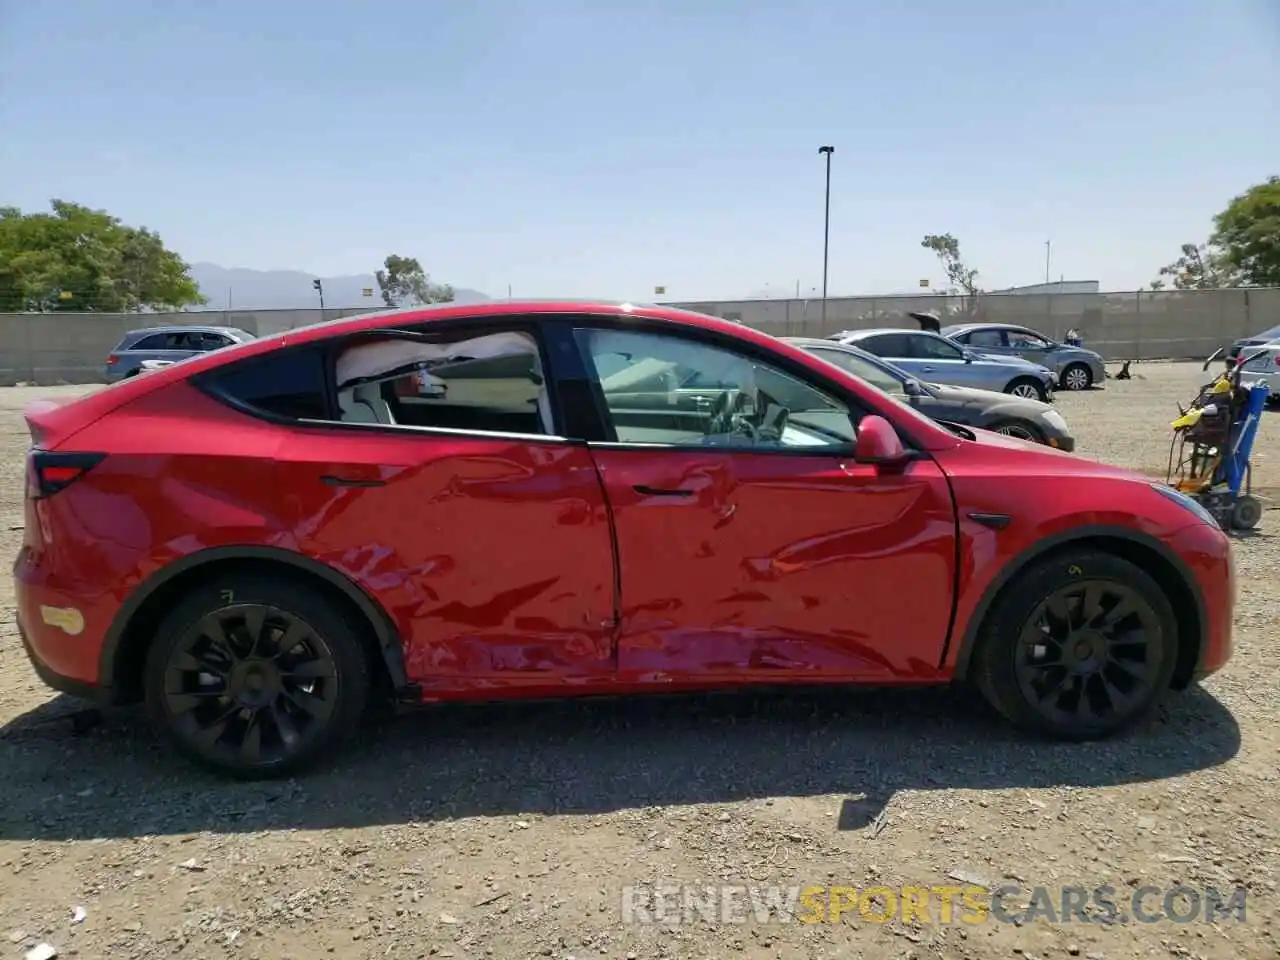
point(511, 831)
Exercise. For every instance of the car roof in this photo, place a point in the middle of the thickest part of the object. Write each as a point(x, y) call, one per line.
point(184, 327)
point(989, 326)
point(877, 330)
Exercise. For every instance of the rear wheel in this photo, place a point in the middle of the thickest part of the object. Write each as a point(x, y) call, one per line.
point(1077, 376)
point(1079, 647)
point(1246, 512)
point(255, 677)
point(1022, 429)
point(1027, 388)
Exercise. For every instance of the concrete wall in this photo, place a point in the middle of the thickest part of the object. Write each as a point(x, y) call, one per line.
point(71, 348)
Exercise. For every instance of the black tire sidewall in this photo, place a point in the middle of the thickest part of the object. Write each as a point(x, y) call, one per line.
point(338, 631)
point(998, 637)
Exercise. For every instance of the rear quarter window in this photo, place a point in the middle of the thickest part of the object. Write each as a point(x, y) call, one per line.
point(288, 383)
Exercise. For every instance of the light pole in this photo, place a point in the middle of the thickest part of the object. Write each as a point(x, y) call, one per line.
point(826, 230)
point(320, 290)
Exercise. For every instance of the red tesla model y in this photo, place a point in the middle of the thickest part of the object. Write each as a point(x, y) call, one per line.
point(553, 499)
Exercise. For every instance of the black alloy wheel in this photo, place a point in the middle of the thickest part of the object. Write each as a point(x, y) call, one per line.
point(1078, 647)
point(258, 683)
point(1087, 652)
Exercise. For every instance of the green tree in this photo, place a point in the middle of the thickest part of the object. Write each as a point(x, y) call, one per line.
point(1247, 234)
point(403, 283)
point(1200, 267)
point(960, 277)
point(79, 259)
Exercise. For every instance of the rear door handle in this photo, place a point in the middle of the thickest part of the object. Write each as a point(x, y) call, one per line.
point(661, 491)
point(334, 481)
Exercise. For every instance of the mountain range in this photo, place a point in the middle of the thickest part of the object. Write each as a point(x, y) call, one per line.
point(240, 288)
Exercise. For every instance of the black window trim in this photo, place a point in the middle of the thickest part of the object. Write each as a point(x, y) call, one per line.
point(430, 331)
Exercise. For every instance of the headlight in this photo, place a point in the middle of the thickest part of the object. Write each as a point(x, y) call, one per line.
point(1054, 419)
point(1190, 503)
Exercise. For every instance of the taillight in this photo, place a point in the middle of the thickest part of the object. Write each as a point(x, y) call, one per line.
point(1277, 359)
point(47, 472)
point(112, 359)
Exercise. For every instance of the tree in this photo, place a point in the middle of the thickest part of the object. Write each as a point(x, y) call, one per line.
point(80, 259)
point(1200, 267)
point(1247, 234)
point(403, 283)
point(960, 277)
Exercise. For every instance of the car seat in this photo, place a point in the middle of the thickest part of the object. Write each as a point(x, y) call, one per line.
point(364, 404)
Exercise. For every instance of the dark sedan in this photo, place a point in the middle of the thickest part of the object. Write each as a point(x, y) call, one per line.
point(1001, 412)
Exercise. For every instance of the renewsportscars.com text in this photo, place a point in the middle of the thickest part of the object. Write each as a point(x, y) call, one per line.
point(677, 903)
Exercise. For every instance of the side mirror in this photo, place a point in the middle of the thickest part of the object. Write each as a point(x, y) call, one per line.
point(878, 442)
point(912, 388)
point(968, 355)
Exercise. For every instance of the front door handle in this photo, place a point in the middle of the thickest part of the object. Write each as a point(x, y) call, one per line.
point(334, 481)
point(927, 369)
point(661, 491)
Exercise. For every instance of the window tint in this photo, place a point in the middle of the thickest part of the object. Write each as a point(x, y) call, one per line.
point(156, 341)
point(1024, 340)
point(985, 338)
point(491, 383)
point(886, 345)
point(924, 347)
point(865, 369)
point(213, 341)
point(669, 390)
point(288, 383)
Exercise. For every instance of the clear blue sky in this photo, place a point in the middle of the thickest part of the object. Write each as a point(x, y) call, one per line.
point(600, 147)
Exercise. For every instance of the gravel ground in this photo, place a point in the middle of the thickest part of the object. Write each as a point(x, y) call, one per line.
point(510, 831)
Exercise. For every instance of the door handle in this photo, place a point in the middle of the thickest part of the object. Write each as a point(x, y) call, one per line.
point(333, 481)
point(661, 491)
point(927, 369)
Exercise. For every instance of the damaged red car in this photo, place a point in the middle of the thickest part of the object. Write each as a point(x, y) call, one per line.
point(560, 499)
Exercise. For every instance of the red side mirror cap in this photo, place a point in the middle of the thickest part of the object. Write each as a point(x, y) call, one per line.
point(878, 442)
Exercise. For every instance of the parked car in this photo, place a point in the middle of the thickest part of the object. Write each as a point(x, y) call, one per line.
point(1248, 343)
point(1075, 367)
point(172, 343)
point(1012, 416)
point(932, 357)
point(259, 542)
point(1263, 363)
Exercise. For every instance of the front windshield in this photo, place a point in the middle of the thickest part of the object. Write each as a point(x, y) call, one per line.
point(864, 369)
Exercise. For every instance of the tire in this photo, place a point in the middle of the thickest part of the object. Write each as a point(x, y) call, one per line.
point(1027, 387)
point(207, 696)
point(1022, 429)
point(1023, 616)
point(1077, 376)
point(1246, 513)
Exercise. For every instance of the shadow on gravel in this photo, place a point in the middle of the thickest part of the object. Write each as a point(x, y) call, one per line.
point(581, 757)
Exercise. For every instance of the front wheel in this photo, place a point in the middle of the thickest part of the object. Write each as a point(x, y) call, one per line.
point(1027, 388)
point(255, 677)
point(1077, 376)
point(1079, 647)
point(1022, 429)
point(1246, 512)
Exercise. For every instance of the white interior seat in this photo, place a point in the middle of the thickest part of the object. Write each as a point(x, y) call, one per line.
point(364, 404)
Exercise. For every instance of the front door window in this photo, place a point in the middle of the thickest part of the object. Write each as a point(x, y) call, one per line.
point(667, 390)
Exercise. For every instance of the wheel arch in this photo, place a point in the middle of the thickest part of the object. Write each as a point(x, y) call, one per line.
point(125, 644)
point(1165, 566)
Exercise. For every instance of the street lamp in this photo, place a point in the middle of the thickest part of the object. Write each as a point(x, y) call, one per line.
point(320, 290)
point(826, 231)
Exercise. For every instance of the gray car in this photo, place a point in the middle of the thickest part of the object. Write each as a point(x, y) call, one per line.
point(1076, 367)
point(999, 412)
point(1249, 344)
point(934, 358)
point(173, 343)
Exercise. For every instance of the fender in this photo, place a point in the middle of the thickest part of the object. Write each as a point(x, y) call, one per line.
point(1061, 539)
point(388, 638)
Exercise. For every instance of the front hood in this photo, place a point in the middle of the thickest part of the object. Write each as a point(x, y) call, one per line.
point(1008, 360)
point(1047, 458)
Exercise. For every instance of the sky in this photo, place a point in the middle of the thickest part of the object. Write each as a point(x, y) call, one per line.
point(605, 147)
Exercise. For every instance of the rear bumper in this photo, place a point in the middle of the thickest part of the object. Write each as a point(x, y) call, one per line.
point(61, 632)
